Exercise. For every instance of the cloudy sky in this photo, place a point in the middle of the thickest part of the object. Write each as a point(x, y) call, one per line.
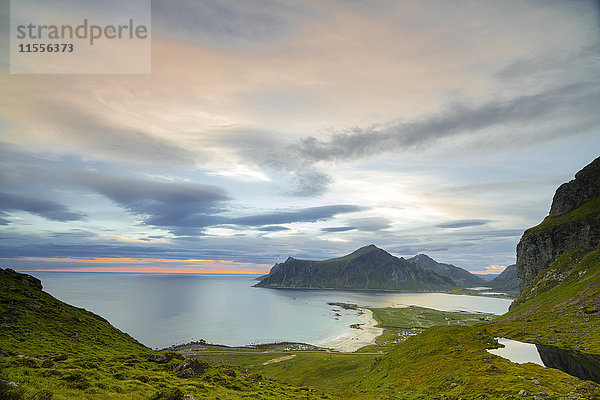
point(272, 128)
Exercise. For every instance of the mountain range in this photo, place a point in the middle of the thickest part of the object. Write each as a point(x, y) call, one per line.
point(458, 275)
point(369, 268)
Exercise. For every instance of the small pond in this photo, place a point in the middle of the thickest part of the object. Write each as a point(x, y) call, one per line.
point(581, 365)
point(517, 352)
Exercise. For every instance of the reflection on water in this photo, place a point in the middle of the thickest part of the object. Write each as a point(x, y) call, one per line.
point(517, 352)
point(583, 366)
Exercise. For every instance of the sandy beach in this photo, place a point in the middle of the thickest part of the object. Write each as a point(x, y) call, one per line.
point(353, 339)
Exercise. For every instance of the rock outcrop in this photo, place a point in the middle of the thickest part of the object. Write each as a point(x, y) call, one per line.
point(571, 195)
point(190, 367)
point(573, 222)
point(25, 279)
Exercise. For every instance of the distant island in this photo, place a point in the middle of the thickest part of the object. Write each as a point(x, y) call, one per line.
point(372, 268)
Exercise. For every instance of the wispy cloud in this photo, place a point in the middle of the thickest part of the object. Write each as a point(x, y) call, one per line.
point(44, 208)
point(462, 224)
point(579, 100)
point(310, 214)
point(273, 228)
point(338, 229)
point(267, 126)
point(159, 203)
point(228, 23)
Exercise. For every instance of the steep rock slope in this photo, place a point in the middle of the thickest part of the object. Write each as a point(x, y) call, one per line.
point(458, 275)
point(367, 268)
point(573, 222)
point(558, 264)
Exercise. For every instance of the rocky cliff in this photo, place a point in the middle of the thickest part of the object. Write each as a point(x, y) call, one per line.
point(573, 222)
point(367, 268)
point(558, 264)
point(572, 195)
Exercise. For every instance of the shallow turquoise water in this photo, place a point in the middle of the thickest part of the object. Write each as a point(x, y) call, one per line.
point(164, 309)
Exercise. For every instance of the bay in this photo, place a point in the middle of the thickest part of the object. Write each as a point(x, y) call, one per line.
point(160, 310)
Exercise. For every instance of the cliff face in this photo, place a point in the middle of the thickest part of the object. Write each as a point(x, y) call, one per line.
point(558, 265)
point(573, 222)
point(367, 268)
point(571, 195)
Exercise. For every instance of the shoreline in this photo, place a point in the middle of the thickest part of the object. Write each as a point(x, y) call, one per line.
point(349, 341)
point(353, 339)
point(457, 291)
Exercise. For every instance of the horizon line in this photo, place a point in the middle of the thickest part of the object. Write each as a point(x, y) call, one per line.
point(151, 271)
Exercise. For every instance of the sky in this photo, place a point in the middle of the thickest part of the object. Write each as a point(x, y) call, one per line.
point(272, 128)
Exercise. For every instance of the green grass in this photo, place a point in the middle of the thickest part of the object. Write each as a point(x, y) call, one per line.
point(332, 372)
point(328, 372)
point(421, 317)
point(588, 211)
point(561, 307)
point(452, 361)
point(401, 323)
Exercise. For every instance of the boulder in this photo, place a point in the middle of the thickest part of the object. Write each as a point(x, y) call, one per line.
point(191, 367)
point(62, 357)
point(157, 358)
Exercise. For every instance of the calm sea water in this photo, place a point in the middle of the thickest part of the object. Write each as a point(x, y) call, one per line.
point(164, 309)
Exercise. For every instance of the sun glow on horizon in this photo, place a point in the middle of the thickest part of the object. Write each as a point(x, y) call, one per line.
point(492, 269)
point(152, 270)
point(143, 265)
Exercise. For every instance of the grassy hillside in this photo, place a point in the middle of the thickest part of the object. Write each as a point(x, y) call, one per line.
point(452, 362)
point(442, 360)
point(399, 324)
point(104, 363)
point(98, 361)
point(561, 307)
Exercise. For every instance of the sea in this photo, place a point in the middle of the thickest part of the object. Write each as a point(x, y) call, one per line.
point(161, 310)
